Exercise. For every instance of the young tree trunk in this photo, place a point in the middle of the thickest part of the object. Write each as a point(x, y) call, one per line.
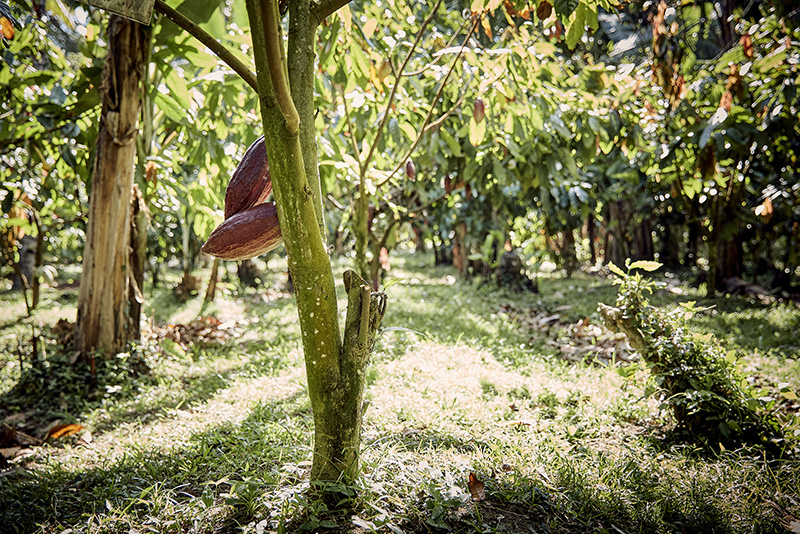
point(140, 222)
point(103, 299)
point(211, 291)
point(590, 234)
point(361, 220)
point(643, 241)
point(23, 271)
point(335, 368)
point(37, 261)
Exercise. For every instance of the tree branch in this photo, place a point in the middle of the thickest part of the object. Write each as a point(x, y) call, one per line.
point(437, 58)
point(425, 124)
point(396, 86)
point(215, 46)
point(324, 9)
point(277, 74)
point(356, 151)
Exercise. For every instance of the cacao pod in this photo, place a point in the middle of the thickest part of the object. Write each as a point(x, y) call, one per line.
point(411, 170)
point(544, 10)
point(478, 110)
point(247, 234)
point(250, 184)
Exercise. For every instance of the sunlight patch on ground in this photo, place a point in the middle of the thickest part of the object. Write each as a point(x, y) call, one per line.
point(464, 392)
point(177, 426)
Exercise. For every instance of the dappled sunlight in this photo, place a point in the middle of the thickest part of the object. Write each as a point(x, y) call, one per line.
point(173, 429)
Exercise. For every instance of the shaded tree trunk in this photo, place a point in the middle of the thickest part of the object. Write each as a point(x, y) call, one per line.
point(335, 366)
point(590, 234)
point(23, 271)
point(643, 241)
point(140, 222)
point(37, 260)
point(211, 291)
point(103, 300)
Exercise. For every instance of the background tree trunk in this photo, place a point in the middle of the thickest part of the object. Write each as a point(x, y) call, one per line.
point(211, 291)
point(140, 222)
point(103, 300)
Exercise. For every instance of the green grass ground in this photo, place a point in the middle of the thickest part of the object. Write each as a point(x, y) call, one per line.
point(207, 427)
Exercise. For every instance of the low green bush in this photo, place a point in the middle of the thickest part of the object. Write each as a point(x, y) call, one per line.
point(692, 374)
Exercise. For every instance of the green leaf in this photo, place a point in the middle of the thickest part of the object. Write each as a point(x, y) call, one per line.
point(645, 265)
point(170, 108)
point(616, 270)
point(565, 8)
point(177, 89)
point(409, 130)
point(476, 132)
point(455, 148)
point(576, 27)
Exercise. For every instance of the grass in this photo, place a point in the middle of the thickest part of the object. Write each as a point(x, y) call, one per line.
point(217, 437)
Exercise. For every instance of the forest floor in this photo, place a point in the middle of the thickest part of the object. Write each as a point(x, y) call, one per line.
point(206, 427)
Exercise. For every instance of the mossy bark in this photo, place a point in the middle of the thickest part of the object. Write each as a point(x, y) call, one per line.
point(335, 368)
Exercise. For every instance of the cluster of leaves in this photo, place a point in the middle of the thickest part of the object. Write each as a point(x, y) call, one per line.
point(692, 374)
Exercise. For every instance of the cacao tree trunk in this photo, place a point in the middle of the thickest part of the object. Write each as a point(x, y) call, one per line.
point(361, 220)
point(103, 298)
point(335, 367)
point(590, 234)
point(37, 260)
point(211, 291)
point(140, 222)
point(643, 241)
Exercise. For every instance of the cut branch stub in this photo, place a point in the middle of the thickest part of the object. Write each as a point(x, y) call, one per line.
point(247, 234)
point(616, 321)
point(251, 183)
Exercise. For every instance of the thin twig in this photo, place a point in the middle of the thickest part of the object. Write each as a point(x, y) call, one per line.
point(437, 58)
point(423, 130)
point(353, 138)
point(215, 46)
point(397, 83)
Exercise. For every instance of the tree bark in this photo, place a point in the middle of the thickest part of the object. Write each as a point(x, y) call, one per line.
point(335, 369)
point(211, 291)
point(102, 303)
point(140, 222)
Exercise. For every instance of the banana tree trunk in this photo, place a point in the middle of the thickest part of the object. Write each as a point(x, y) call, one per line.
point(103, 299)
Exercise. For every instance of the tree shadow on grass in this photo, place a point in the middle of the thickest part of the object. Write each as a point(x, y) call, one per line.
point(125, 387)
point(144, 483)
point(447, 315)
point(222, 476)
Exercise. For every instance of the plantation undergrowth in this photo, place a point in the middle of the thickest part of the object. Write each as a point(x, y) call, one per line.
point(207, 427)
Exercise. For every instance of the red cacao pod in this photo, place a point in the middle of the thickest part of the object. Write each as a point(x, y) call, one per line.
point(250, 184)
point(478, 110)
point(247, 234)
point(411, 170)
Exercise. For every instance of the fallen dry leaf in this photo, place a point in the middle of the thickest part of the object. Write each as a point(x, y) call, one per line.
point(59, 431)
point(476, 488)
point(6, 28)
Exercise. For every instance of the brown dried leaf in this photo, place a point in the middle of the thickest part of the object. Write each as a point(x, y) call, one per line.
point(726, 101)
point(6, 28)
point(59, 431)
point(9, 452)
point(747, 44)
point(476, 488)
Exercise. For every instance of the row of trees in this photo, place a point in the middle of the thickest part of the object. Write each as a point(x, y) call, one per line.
point(661, 130)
